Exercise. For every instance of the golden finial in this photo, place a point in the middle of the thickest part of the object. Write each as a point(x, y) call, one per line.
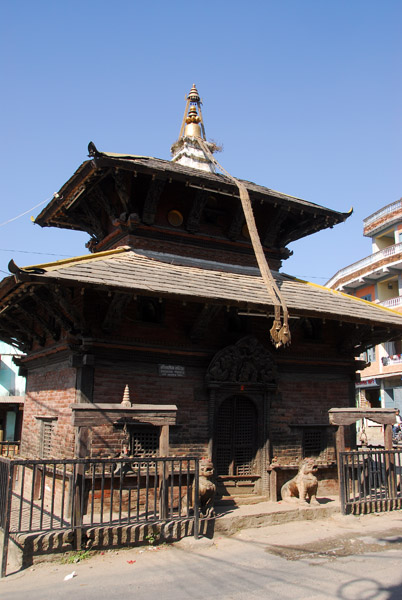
point(194, 95)
point(193, 115)
point(193, 123)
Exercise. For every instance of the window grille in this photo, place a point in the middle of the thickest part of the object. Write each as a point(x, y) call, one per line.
point(47, 428)
point(314, 442)
point(144, 441)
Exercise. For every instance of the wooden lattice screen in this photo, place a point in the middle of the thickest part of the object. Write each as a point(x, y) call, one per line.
point(236, 435)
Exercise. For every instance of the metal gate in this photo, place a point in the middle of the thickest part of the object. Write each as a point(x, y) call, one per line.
point(370, 480)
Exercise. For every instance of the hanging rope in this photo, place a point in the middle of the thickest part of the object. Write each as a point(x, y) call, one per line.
point(280, 333)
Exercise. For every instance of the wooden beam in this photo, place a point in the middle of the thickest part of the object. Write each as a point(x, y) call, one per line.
point(90, 415)
point(14, 329)
point(16, 343)
point(62, 295)
point(104, 203)
point(348, 416)
point(151, 201)
point(164, 440)
point(203, 320)
point(122, 187)
point(197, 207)
point(340, 447)
point(388, 436)
point(46, 298)
point(274, 224)
point(34, 316)
point(115, 311)
point(92, 222)
point(305, 228)
point(237, 223)
point(26, 327)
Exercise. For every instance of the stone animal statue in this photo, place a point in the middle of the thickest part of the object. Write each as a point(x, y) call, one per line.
point(304, 485)
point(207, 488)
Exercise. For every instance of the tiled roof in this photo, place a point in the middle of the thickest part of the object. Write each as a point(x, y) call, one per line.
point(169, 169)
point(153, 274)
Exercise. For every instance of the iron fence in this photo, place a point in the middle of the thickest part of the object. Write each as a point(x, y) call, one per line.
point(370, 480)
point(78, 494)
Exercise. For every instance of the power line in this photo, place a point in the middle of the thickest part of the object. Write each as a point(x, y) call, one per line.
point(33, 252)
point(28, 211)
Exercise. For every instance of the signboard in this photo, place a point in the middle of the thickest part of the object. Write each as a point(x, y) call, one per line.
point(172, 370)
point(368, 383)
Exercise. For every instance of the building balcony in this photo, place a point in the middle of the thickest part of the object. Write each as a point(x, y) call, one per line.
point(392, 213)
point(393, 303)
point(395, 359)
point(368, 270)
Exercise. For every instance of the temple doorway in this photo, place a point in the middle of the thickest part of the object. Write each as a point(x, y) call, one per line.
point(236, 437)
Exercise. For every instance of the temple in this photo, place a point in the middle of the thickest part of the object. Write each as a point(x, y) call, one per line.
point(160, 340)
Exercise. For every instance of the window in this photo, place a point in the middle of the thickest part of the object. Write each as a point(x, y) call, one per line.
point(46, 437)
point(314, 441)
point(366, 297)
point(393, 348)
point(368, 355)
point(144, 441)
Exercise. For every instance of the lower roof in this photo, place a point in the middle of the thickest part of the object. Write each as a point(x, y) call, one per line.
point(152, 273)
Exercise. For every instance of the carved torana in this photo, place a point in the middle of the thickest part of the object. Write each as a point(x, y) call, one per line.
point(247, 361)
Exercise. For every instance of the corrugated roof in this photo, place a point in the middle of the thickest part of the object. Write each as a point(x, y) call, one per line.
point(163, 275)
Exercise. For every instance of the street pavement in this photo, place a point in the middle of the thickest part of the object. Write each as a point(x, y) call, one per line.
point(343, 557)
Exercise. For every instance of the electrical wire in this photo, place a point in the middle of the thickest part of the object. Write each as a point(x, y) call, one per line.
point(33, 252)
point(27, 211)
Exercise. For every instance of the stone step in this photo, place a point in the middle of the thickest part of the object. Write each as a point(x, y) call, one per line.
point(240, 500)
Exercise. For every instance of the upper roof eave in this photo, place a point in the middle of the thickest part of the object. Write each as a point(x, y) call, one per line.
point(150, 164)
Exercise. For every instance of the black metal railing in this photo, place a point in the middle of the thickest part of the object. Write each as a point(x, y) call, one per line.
point(78, 494)
point(370, 480)
point(9, 449)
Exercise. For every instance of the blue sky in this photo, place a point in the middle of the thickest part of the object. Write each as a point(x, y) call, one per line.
point(304, 96)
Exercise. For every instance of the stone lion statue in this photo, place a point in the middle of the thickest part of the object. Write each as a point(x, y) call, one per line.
point(304, 485)
point(207, 488)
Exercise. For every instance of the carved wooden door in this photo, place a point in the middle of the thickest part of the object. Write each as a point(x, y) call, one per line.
point(236, 436)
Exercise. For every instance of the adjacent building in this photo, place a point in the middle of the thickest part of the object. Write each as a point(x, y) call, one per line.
point(163, 329)
point(12, 394)
point(378, 278)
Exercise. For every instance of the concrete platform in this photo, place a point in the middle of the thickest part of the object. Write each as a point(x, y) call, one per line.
point(230, 519)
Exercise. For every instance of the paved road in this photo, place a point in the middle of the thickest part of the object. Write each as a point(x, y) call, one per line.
point(347, 558)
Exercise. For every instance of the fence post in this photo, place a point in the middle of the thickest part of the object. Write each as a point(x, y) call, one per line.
point(341, 475)
point(163, 483)
point(77, 495)
point(7, 518)
point(196, 496)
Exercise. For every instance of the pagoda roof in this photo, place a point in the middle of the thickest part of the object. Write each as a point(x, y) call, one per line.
point(55, 214)
point(165, 275)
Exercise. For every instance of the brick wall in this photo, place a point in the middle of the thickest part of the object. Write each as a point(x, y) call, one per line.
point(50, 391)
point(188, 436)
point(303, 401)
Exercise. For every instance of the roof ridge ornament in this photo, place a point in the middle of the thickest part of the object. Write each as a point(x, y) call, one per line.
point(186, 150)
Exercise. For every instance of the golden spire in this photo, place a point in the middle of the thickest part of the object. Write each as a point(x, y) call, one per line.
point(188, 150)
point(193, 124)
